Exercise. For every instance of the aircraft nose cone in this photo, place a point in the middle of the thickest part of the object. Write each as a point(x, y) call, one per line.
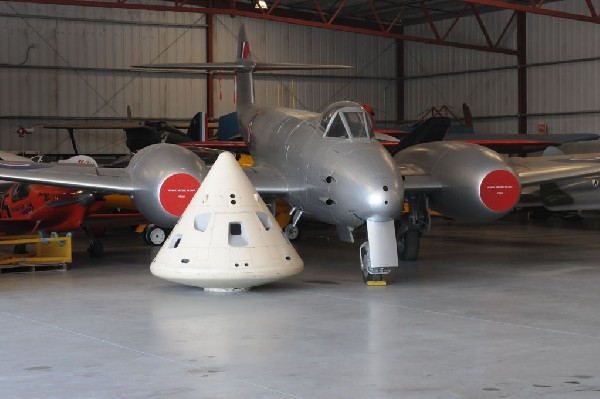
point(371, 187)
point(383, 199)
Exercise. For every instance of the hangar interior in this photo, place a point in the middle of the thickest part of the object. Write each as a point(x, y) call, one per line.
point(66, 62)
point(495, 310)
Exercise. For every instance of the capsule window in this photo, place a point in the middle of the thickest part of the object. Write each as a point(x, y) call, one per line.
point(238, 237)
point(201, 221)
point(175, 241)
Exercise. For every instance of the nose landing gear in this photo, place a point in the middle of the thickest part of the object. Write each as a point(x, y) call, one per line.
point(371, 275)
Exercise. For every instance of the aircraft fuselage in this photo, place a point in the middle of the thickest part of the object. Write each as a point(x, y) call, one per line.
point(342, 181)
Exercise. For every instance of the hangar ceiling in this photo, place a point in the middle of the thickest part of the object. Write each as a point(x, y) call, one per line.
point(372, 17)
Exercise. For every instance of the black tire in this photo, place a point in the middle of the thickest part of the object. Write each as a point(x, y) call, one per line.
point(95, 250)
point(154, 235)
point(411, 242)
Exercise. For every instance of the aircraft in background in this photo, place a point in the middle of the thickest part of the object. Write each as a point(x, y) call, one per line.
point(139, 133)
point(326, 165)
point(570, 197)
point(30, 208)
point(461, 129)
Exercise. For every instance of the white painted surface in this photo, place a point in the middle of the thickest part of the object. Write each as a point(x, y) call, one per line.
point(202, 251)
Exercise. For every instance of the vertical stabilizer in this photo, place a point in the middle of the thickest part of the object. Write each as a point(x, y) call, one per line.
point(244, 83)
point(243, 45)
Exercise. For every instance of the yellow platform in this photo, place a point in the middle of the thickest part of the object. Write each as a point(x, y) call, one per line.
point(53, 250)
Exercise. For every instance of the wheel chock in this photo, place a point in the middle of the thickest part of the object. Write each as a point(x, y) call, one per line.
point(376, 283)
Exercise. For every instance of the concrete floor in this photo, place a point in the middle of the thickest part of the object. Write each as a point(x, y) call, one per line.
point(502, 310)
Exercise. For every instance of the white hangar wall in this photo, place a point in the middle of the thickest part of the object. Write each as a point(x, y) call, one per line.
point(68, 62)
point(563, 57)
point(64, 62)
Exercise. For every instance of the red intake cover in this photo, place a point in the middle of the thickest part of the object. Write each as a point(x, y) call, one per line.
point(500, 190)
point(177, 191)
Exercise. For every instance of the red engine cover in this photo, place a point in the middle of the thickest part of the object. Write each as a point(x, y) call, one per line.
point(500, 190)
point(177, 191)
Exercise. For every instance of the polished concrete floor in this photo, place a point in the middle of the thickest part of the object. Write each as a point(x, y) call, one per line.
point(509, 310)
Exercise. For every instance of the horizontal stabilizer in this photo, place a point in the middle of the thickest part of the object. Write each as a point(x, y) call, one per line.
point(212, 66)
point(292, 67)
point(238, 66)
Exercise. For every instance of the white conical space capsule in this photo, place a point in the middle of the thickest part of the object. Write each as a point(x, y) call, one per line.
point(227, 239)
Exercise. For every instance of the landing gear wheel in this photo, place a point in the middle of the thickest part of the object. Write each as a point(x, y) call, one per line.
point(95, 249)
point(154, 235)
point(292, 232)
point(365, 264)
point(410, 244)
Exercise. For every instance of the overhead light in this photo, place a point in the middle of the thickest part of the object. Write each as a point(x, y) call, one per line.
point(262, 4)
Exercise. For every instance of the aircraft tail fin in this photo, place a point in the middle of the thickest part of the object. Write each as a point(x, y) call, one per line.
point(430, 130)
point(467, 115)
point(243, 67)
point(194, 128)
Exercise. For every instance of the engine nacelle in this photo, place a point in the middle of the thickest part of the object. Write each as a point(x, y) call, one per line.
point(476, 183)
point(165, 178)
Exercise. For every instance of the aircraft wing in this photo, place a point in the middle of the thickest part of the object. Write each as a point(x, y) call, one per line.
point(267, 181)
point(514, 146)
point(113, 180)
point(537, 170)
point(100, 125)
point(416, 179)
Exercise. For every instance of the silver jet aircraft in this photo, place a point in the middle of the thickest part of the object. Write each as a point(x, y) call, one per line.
point(326, 165)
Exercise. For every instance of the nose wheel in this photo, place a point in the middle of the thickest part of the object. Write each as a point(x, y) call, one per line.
point(370, 274)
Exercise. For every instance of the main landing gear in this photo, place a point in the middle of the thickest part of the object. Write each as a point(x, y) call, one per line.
point(292, 232)
point(95, 249)
point(155, 235)
point(410, 227)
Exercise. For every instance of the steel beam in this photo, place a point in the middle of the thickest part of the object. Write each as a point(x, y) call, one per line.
point(234, 8)
point(400, 80)
point(522, 72)
point(210, 102)
point(537, 9)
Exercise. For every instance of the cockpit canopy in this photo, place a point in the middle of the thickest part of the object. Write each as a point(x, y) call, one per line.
point(346, 119)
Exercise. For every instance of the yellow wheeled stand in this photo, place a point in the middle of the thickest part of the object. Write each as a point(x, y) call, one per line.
point(50, 252)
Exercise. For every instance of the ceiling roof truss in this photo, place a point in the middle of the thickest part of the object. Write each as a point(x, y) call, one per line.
point(540, 7)
point(341, 17)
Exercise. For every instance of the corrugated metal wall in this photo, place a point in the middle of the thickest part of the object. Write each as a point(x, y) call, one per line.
point(571, 88)
point(75, 62)
point(563, 58)
point(462, 73)
point(62, 61)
